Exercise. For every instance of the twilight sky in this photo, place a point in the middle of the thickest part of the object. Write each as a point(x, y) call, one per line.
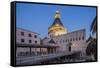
point(38, 17)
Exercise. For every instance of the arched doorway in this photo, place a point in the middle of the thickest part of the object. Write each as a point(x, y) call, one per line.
point(69, 47)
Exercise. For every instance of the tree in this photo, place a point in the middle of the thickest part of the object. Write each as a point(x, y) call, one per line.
point(92, 42)
point(93, 27)
point(92, 48)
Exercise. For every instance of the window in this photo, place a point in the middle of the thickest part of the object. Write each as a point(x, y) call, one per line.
point(63, 41)
point(66, 40)
point(29, 35)
point(79, 38)
point(69, 48)
point(22, 33)
point(83, 37)
point(60, 41)
point(35, 41)
point(30, 41)
point(73, 39)
point(35, 36)
point(22, 40)
point(76, 39)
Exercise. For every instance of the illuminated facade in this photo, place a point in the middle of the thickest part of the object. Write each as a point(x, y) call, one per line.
point(57, 27)
point(67, 41)
point(72, 41)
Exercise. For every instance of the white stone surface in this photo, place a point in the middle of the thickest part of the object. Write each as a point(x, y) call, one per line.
point(77, 45)
point(26, 37)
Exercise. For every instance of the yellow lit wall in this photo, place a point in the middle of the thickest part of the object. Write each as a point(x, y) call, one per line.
point(57, 30)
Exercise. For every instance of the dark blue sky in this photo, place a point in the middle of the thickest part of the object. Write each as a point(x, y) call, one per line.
point(38, 17)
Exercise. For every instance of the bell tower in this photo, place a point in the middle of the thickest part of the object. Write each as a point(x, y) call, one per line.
point(57, 27)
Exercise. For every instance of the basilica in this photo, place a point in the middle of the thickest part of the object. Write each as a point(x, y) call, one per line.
point(67, 41)
point(59, 40)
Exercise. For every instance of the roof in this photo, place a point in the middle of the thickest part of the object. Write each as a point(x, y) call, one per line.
point(56, 21)
point(35, 46)
point(52, 41)
point(27, 30)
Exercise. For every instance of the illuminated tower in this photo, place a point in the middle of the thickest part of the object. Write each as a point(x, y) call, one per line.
point(57, 27)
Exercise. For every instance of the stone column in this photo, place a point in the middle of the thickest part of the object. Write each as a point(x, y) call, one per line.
point(35, 51)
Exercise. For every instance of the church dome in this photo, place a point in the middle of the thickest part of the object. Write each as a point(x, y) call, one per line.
point(57, 28)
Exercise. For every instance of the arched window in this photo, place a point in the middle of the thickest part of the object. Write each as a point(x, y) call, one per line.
point(35, 41)
point(76, 39)
point(73, 39)
point(83, 38)
point(63, 41)
point(29, 35)
point(35, 36)
point(59, 41)
point(22, 40)
point(66, 40)
point(79, 38)
point(30, 41)
point(22, 33)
